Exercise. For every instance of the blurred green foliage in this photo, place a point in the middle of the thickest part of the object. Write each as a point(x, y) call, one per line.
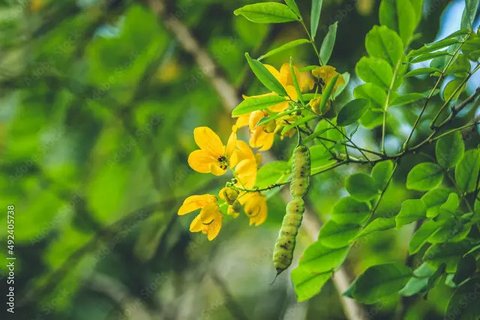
point(98, 105)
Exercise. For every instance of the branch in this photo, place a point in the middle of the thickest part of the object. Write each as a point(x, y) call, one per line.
point(230, 99)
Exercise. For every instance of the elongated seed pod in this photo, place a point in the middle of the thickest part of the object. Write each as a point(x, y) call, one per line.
point(300, 171)
point(285, 245)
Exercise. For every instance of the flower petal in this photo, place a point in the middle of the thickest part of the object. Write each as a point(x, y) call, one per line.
point(201, 161)
point(209, 141)
point(195, 202)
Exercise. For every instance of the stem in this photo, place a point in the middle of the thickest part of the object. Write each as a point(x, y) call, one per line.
point(312, 42)
point(430, 95)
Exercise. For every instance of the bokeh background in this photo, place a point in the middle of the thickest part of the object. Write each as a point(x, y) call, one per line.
point(98, 102)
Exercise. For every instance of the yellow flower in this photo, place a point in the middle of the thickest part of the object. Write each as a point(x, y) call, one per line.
point(213, 157)
point(246, 169)
point(255, 207)
point(326, 73)
point(262, 137)
point(209, 220)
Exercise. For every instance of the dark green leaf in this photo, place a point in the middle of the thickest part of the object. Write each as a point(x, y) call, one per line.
point(351, 112)
point(379, 281)
point(256, 103)
point(361, 186)
point(448, 253)
point(453, 89)
point(315, 17)
point(349, 210)
point(419, 282)
point(328, 43)
point(283, 47)
point(467, 170)
point(466, 268)
point(464, 302)
point(424, 176)
point(265, 77)
point(267, 12)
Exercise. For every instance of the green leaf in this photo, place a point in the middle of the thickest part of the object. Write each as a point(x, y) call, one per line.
point(449, 150)
point(283, 47)
point(421, 236)
point(379, 224)
point(265, 77)
point(273, 172)
point(350, 210)
point(383, 43)
point(375, 70)
point(469, 13)
point(352, 112)
point(319, 158)
point(399, 15)
point(418, 283)
point(464, 302)
point(267, 12)
point(327, 92)
point(467, 170)
point(334, 235)
point(381, 173)
point(308, 284)
point(410, 211)
point(361, 186)
point(293, 6)
point(431, 47)
point(424, 176)
point(372, 119)
point(429, 56)
point(256, 103)
point(328, 43)
point(433, 199)
point(422, 71)
point(408, 98)
point(379, 281)
point(319, 258)
point(315, 17)
point(466, 268)
point(453, 89)
point(373, 93)
point(448, 253)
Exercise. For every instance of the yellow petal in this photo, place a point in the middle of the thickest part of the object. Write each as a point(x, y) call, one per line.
point(242, 121)
point(209, 141)
point(255, 206)
point(216, 169)
point(214, 228)
point(196, 225)
point(202, 161)
point(246, 172)
point(281, 78)
point(255, 117)
point(195, 202)
point(231, 144)
point(261, 139)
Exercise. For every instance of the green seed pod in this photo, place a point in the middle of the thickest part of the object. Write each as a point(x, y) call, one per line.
point(300, 171)
point(285, 245)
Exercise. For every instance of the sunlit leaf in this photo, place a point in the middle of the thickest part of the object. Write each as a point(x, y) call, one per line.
point(267, 12)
